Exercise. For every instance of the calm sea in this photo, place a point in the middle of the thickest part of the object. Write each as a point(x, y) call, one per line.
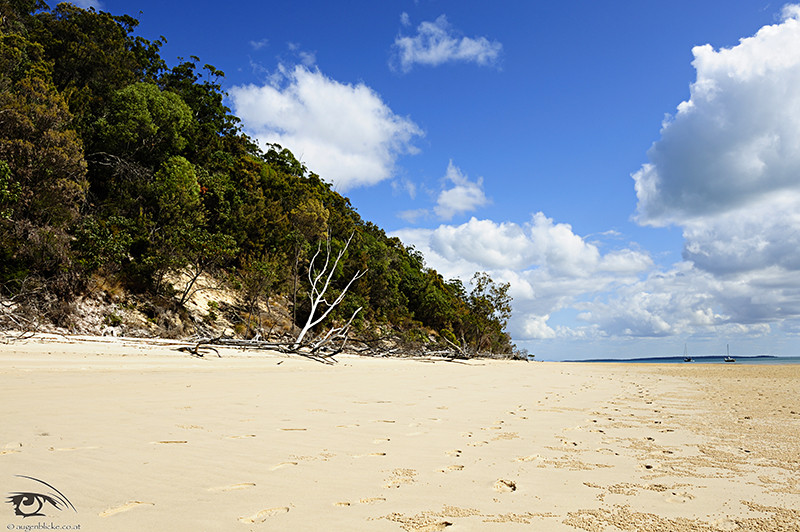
point(711, 359)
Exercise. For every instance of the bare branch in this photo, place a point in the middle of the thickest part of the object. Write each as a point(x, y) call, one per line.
point(317, 294)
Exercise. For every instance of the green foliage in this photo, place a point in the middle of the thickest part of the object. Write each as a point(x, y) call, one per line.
point(112, 162)
point(9, 192)
point(101, 243)
point(490, 307)
point(177, 192)
point(43, 178)
point(93, 54)
point(144, 124)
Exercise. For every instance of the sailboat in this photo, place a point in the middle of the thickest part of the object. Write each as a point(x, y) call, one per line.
point(728, 357)
point(686, 357)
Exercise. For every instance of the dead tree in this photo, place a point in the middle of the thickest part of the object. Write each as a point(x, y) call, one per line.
point(320, 281)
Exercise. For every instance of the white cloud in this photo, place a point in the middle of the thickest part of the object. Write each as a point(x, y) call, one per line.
point(548, 266)
point(458, 195)
point(463, 196)
point(438, 42)
point(343, 132)
point(536, 327)
point(258, 45)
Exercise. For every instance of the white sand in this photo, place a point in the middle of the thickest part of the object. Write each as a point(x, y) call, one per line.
point(147, 438)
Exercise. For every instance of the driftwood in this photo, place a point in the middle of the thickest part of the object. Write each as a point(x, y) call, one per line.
point(323, 349)
point(202, 346)
point(20, 311)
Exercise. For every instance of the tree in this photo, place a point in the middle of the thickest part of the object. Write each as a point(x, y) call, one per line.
point(145, 124)
point(319, 283)
point(44, 180)
point(213, 118)
point(490, 306)
point(258, 279)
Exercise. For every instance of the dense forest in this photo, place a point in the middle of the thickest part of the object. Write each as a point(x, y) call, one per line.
point(120, 174)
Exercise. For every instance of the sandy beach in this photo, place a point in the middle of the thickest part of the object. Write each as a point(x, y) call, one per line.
point(141, 437)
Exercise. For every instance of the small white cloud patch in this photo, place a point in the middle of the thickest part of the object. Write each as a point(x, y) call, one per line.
point(463, 196)
point(438, 42)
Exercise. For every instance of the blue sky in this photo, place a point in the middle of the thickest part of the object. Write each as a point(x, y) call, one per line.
point(631, 168)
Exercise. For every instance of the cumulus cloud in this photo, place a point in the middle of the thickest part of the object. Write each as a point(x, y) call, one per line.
point(725, 170)
point(343, 132)
point(546, 263)
point(438, 42)
point(736, 141)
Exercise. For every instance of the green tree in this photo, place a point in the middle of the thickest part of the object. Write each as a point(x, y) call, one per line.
point(205, 97)
point(145, 124)
point(490, 306)
point(45, 177)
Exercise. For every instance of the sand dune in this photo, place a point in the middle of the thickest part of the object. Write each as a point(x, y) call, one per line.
point(147, 438)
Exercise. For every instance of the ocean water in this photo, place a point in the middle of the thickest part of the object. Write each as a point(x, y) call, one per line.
point(707, 359)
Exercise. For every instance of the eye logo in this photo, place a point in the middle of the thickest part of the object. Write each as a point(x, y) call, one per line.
point(33, 503)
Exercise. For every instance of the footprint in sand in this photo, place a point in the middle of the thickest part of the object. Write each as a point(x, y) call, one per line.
point(293, 429)
point(233, 487)
point(342, 504)
point(455, 452)
point(282, 465)
point(381, 440)
point(448, 469)
point(505, 486)
point(434, 527)
point(73, 448)
point(263, 515)
point(679, 497)
point(372, 500)
point(124, 508)
point(241, 436)
point(170, 441)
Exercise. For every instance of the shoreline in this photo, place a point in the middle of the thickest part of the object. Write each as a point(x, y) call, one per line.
point(146, 437)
